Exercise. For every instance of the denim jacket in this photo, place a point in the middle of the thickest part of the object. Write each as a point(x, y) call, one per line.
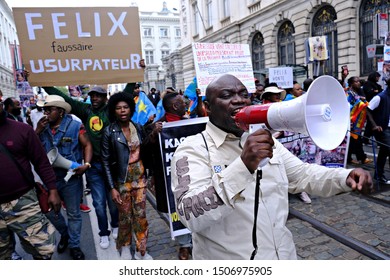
point(66, 140)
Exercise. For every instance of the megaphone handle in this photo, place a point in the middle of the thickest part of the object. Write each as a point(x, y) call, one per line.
point(253, 128)
point(68, 175)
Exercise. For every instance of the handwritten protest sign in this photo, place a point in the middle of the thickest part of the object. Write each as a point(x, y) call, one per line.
point(282, 76)
point(94, 45)
point(214, 59)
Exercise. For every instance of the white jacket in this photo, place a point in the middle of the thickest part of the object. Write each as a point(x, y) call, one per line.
point(214, 194)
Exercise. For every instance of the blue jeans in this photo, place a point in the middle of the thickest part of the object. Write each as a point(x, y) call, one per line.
point(101, 198)
point(70, 194)
point(58, 222)
point(184, 240)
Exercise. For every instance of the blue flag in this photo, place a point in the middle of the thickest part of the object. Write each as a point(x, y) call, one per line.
point(190, 92)
point(144, 108)
point(160, 111)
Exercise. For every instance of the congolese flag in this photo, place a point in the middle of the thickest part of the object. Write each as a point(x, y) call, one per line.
point(160, 110)
point(144, 108)
point(358, 117)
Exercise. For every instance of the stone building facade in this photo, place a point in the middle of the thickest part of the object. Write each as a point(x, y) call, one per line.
point(276, 32)
point(160, 37)
point(8, 37)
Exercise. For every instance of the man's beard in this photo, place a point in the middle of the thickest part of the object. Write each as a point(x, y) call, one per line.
point(3, 117)
point(16, 112)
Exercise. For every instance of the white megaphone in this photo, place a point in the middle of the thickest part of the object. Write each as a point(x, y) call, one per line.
point(57, 160)
point(321, 113)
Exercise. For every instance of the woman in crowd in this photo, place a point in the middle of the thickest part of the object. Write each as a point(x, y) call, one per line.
point(125, 172)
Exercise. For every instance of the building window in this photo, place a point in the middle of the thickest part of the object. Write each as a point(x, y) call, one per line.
point(368, 10)
point(286, 43)
point(177, 32)
point(163, 32)
point(147, 32)
point(258, 59)
point(196, 18)
point(209, 10)
point(226, 8)
point(324, 25)
point(149, 57)
point(164, 53)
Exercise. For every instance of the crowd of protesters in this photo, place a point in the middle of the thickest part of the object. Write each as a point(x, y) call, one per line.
point(121, 158)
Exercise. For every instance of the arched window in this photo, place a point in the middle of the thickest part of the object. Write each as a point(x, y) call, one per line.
point(286, 43)
point(368, 10)
point(324, 25)
point(258, 60)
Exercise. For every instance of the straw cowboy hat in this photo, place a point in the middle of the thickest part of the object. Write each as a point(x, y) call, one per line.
point(55, 101)
point(274, 90)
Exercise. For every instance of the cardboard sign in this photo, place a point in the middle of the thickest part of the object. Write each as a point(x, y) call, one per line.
point(215, 59)
point(63, 46)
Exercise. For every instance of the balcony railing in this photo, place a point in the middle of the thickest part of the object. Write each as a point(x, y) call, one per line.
point(225, 21)
point(209, 30)
point(254, 7)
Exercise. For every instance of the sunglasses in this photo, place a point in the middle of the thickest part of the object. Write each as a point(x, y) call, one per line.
point(49, 109)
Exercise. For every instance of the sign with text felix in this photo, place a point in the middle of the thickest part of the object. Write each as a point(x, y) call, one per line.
point(94, 45)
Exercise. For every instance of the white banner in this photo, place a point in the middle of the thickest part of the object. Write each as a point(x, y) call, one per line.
point(214, 59)
point(282, 76)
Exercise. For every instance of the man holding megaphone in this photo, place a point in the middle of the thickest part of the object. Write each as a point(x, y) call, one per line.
point(234, 208)
point(66, 142)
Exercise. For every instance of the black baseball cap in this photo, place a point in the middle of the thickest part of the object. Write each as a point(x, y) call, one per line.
point(98, 90)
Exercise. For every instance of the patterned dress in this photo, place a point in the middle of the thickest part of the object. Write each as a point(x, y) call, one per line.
point(132, 214)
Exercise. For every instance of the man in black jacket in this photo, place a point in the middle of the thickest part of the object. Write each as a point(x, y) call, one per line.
point(370, 88)
point(154, 96)
point(378, 114)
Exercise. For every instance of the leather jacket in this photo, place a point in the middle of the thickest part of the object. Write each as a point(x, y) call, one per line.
point(115, 152)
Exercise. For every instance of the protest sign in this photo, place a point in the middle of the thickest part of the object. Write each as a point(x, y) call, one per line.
point(214, 59)
point(172, 134)
point(318, 48)
point(282, 76)
point(304, 148)
point(67, 46)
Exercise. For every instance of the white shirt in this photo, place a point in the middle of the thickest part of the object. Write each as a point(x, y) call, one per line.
point(214, 194)
point(374, 103)
point(35, 116)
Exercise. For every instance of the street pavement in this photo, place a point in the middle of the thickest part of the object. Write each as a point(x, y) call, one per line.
point(160, 245)
point(351, 215)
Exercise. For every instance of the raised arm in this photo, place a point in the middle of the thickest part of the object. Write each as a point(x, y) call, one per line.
point(80, 109)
